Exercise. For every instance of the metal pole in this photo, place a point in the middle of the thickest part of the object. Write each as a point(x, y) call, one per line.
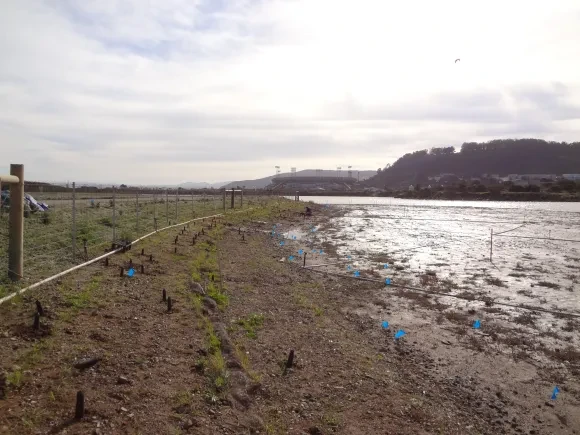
point(167, 206)
point(114, 217)
point(225, 200)
point(16, 225)
point(491, 247)
point(137, 209)
point(74, 222)
point(176, 202)
point(233, 197)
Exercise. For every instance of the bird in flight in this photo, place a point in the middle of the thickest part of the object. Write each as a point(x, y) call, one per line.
point(457, 60)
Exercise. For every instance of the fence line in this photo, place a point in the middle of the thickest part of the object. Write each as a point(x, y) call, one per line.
point(466, 298)
point(94, 260)
point(80, 225)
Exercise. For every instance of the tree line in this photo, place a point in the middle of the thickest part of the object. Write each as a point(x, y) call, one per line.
point(499, 156)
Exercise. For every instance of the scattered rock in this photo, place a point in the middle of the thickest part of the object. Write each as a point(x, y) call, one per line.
point(549, 404)
point(196, 287)
point(87, 363)
point(210, 304)
point(122, 380)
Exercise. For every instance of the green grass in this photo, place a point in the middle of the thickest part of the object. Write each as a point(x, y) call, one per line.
point(15, 378)
point(183, 398)
point(77, 300)
point(252, 324)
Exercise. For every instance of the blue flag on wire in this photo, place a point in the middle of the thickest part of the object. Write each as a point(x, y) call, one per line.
point(386, 266)
point(291, 258)
point(388, 281)
point(385, 324)
point(477, 324)
point(300, 252)
point(282, 243)
point(555, 393)
point(400, 333)
point(130, 272)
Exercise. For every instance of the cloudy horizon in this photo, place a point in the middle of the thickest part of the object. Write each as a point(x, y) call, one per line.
point(173, 91)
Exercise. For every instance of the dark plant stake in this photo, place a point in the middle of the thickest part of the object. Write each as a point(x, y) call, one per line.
point(143, 251)
point(142, 269)
point(107, 262)
point(164, 295)
point(80, 406)
point(36, 324)
point(151, 258)
point(122, 271)
point(290, 361)
point(169, 304)
point(39, 308)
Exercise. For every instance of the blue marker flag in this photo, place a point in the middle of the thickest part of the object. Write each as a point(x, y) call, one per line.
point(555, 393)
point(282, 243)
point(356, 273)
point(321, 251)
point(348, 267)
point(348, 257)
point(388, 281)
point(399, 334)
point(300, 252)
point(131, 272)
point(291, 258)
point(385, 324)
point(386, 266)
point(293, 237)
point(477, 324)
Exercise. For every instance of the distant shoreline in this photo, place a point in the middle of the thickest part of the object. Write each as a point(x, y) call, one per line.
point(453, 196)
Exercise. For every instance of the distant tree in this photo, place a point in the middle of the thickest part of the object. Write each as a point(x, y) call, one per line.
point(502, 157)
point(123, 186)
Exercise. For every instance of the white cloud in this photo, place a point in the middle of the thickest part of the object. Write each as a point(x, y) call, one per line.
point(170, 91)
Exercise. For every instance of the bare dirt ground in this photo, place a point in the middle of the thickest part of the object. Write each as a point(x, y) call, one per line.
point(216, 362)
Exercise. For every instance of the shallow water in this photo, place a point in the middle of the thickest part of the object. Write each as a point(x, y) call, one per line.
point(453, 239)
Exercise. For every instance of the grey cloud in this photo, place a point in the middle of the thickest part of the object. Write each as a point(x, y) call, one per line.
point(484, 106)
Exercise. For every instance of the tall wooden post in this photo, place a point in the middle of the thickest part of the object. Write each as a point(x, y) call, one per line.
point(233, 196)
point(16, 221)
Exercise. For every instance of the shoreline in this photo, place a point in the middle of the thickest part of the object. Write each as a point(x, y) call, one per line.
point(218, 361)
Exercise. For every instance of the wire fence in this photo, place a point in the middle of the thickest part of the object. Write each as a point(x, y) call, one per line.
point(80, 225)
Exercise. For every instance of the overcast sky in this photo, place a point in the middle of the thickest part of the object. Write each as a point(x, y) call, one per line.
point(168, 91)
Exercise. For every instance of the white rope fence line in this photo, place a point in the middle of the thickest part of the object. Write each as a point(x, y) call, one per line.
point(94, 260)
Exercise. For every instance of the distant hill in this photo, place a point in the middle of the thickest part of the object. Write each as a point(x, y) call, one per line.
point(260, 183)
point(502, 157)
point(202, 185)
